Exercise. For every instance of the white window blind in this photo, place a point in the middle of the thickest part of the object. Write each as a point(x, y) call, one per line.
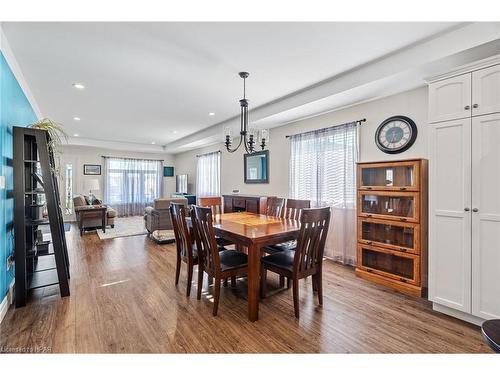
point(322, 166)
point(208, 175)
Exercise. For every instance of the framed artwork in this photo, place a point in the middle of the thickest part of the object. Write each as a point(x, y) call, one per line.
point(92, 169)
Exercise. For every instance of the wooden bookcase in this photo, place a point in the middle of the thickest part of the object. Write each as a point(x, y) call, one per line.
point(392, 224)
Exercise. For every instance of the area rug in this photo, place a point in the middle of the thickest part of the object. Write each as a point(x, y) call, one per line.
point(124, 227)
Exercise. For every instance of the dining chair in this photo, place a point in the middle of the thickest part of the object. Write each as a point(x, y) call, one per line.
point(186, 249)
point(219, 265)
point(306, 260)
point(292, 211)
point(275, 206)
point(215, 204)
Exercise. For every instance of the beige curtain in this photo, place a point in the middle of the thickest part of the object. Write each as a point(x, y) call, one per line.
point(323, 170)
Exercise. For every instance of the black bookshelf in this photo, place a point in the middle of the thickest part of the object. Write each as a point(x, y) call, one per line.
point(35, 187)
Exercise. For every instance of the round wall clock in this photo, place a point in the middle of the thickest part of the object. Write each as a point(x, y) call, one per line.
point(396, 134)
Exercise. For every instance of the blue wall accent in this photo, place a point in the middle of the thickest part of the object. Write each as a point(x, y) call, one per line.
point(15, 110)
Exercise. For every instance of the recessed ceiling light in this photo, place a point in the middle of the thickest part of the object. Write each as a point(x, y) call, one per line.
point(78, 86)
point(211, 113)
point(76, 135)
point(153, 143)
point(76, 118)
point(175, 132)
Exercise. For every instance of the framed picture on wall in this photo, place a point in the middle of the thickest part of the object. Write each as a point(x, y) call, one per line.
point(92, 169)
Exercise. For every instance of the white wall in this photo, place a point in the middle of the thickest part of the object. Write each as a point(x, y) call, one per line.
point(80, 155)
point(411, 103)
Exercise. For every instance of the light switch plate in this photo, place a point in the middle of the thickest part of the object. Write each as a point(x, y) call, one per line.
point(2, 182)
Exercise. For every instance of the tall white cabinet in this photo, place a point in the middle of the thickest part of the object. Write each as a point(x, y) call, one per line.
point(464, 192)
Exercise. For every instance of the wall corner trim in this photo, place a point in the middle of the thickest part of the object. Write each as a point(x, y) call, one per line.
point(16, 70)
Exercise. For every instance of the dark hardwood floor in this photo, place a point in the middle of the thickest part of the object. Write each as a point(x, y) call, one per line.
point(123, 299)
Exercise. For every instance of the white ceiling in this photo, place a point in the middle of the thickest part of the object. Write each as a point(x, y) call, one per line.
point(157, 82)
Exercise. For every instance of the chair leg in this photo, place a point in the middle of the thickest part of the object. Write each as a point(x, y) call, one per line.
point(282, 281)
point(216, 295)
point(225, 282)
point(190, 279)
point(288, 283)
point(319, 286)
point(263, 282)
point(296, 296)
point(177, 269)
point(200, 281)
point(314, 283)
point(233, 281)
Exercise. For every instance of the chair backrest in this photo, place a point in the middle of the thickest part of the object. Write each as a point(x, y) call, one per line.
point(183, 239)
point(215, 203)
point(314, 223)
point(275, 206)
point(208, 252)
point(294, 208)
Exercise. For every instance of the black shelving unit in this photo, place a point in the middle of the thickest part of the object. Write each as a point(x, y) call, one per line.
point(35, 187)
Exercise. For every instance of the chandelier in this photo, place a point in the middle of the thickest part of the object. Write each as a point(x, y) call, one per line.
point(248, 137)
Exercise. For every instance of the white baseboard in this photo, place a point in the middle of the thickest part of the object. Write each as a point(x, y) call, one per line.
point(457, 314)
point(9, 298)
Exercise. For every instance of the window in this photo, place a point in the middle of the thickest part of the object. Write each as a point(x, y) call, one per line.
point(68, 189)
point(323, 170)
point(208, 175)
point(322, 166)
point(131, 184)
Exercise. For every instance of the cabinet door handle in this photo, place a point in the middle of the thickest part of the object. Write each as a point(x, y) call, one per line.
point(369, 242)
point(402, 280)
point(475, 106)
point(403, 219)
point(466, 209)
point(369, 188)
point(368, 215)
point(402, 188)
point(475, 210)
point(402, 249)
point(467, 107)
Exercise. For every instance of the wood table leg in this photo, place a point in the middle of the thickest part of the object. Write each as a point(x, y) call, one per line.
point(253, 282)
point(104, 221)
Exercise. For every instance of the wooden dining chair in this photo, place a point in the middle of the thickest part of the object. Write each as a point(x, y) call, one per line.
point(306, 260)
point(186, 249)
point(219, 265)
point(275, 206)
point(292, 211)
point(215, 204)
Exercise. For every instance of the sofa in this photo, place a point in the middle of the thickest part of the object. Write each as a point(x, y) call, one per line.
point(158, 216)
point(91, 219)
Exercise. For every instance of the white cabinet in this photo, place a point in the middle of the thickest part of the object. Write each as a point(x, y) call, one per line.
point(464, 194)
point(450, 98)
point(486, 91)
point(449, 217)
point(486, 216)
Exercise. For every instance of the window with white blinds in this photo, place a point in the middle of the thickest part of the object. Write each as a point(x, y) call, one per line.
point(208, 175)
point(323, 166)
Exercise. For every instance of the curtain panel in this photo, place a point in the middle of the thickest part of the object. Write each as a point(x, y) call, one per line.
point(130, 185)
point(208, 175)
point(323, 170)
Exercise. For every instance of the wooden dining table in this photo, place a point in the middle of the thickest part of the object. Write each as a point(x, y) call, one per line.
point(253, 232)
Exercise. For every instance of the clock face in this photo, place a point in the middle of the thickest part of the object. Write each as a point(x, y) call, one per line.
point(396, 134)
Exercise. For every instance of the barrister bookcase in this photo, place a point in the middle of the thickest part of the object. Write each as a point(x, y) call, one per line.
point(392, 224)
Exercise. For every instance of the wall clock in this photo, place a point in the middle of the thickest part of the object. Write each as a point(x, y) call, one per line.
point(396, 134)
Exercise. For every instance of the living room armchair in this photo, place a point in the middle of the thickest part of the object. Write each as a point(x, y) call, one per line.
point(158, 216)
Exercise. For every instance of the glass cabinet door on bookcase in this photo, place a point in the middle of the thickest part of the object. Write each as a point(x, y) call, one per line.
point(393, 235)
point(402, 206)
point(387, 176)
point(392, 264)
